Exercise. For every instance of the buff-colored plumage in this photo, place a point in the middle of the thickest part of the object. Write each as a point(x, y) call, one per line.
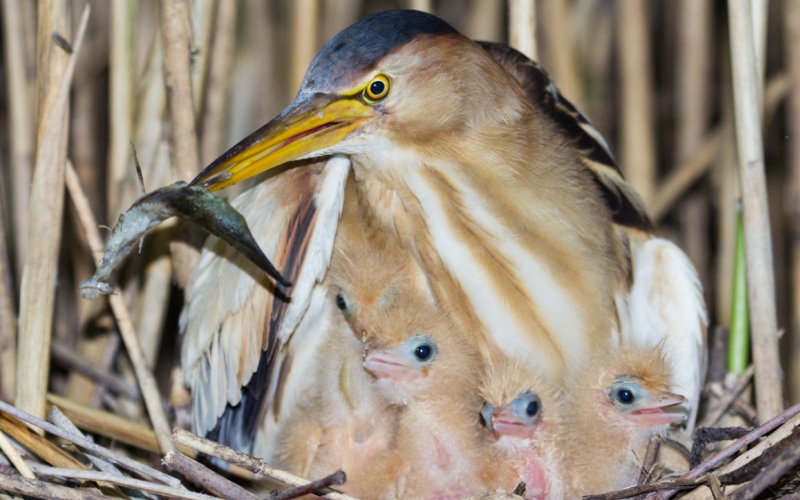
point(429, 370)
point(492, 198)
point(613, 408)
point(523, 412)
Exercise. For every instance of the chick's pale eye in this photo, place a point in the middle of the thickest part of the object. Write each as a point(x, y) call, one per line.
point(532, 409)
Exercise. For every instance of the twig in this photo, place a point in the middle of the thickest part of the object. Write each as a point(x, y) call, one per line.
point(758, 240)
point(14, 457)
point(61, 420)
point(727, 397)
point(91, 475)
point(786, 420)
point(254, 465)
point(206, 477)
point(84, 443)
point(41, 489)
point(71, 360)
point(522, 27)
point(147, 384)
point(335, 479)
point(650, 457)
point(37, 302)
point(36, 444)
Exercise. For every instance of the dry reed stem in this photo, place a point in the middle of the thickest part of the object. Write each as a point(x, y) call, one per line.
point(486, 21)
point(36, 444)
point(8, 319)
point(71, 360)
point(40, 489)
point(758, 243)
point(522, 27)
point(305, 26)
point(127, 482)
point(255, 465)
point(337, 15)
point(202, 29)
point(422, 5)
point(217, 84)
point(206, 477)
point(147, 384)
point(183, 135)
point(792, 43)
point(120, 100)
point(637, 149)
point(37, 297)
point(14, 457)
point(561, 57)
point(20, 126)
point(118, 458)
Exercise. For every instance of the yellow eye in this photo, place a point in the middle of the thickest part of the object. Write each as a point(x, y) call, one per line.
point(377, 88)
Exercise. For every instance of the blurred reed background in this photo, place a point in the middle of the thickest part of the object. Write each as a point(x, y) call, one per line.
point(184, 80)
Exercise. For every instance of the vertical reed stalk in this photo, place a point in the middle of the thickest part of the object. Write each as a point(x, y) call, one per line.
point(522, 27)
point(305, 26)
point(636, 90)
point(120, 102)
point(37, 302)
point(792, 43)
point(20, 127)
point(561, 60)
point(758, 242)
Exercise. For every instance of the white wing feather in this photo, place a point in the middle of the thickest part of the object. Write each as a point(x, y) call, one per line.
point(224, 320)
point(666, 307)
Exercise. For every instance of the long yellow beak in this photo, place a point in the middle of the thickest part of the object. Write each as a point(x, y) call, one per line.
point(307, 126)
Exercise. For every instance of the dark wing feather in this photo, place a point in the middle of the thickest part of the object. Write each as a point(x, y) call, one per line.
point(624, 203)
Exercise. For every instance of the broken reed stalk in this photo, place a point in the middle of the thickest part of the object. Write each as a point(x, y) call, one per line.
point(20, 127)
point(14, 457)
point(638, 148)
point(792, 43)
point(758, 243)
point(147, 383)
point(37, 297)
point(207, 478)
point(305, 26)
point(40, 489)
point(522, 27)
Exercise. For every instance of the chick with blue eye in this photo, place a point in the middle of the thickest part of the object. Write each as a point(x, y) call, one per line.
point(522, 412)
point(614, 407)
point(429, 370)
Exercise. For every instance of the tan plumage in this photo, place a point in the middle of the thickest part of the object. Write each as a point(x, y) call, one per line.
point(619, 401)
point(515, 218)
point(523, 411)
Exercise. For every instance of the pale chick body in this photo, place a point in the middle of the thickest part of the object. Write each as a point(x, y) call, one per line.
point(523, 412)
point(619, 401)
point(429, 370)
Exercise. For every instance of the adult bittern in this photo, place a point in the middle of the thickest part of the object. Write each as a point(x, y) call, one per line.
point(469, 159)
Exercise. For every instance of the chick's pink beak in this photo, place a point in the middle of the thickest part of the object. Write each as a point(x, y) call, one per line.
point(383, 364)
point(656, 412)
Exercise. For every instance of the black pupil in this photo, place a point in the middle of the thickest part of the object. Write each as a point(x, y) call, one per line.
point(532, 409)
point(376, 88)
point(423, 352)
point(625, 396)
point(340, 303)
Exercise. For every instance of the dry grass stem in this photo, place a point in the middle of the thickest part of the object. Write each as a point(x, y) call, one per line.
point(637, 149)
point(792, 36)
point(205, 477)
point(522, 28)
point(147, 384)
point(255, 465)
point(14, 457)
point(84, 443)
point(21, 125)
point(758, 243)
point(37, 302)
